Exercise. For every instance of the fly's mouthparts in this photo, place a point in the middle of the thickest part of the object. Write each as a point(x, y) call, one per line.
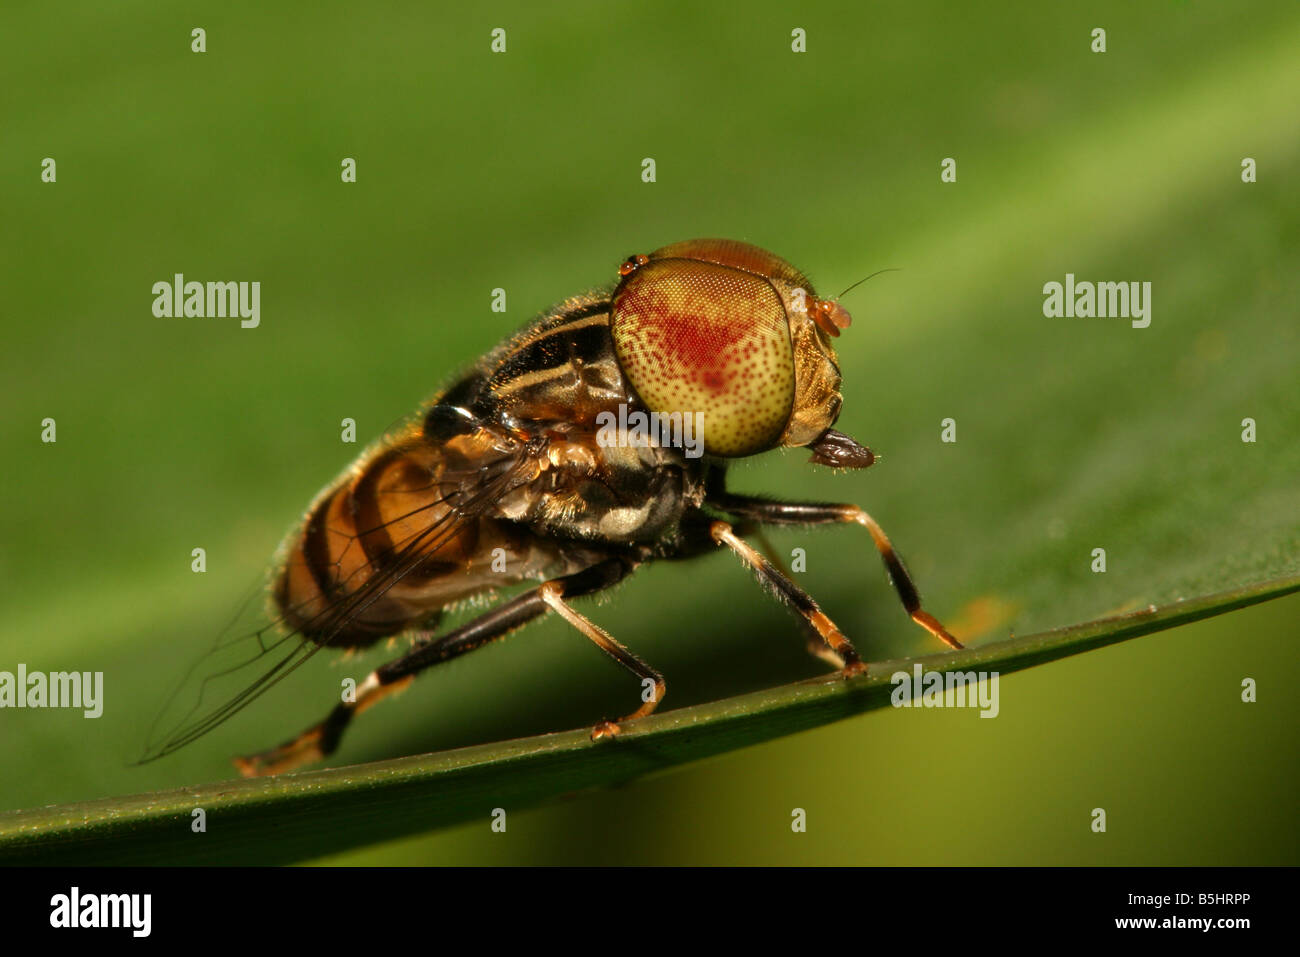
point(840, 451)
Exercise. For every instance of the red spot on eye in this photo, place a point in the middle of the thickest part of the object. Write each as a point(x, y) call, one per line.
point(700, 338)
point(688, 345)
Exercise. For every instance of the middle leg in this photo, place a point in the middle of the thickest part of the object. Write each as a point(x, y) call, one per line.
point(794, 596)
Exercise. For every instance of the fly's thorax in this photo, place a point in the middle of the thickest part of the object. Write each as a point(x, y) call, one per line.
point(617, 493)
point(559, 368)
point(730, 334)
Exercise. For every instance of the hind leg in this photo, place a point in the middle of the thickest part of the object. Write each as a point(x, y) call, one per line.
point(319, 741)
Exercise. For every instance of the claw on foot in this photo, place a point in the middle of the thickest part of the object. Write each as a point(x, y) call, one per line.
point(302, 750)
point(931, 624)
point(853, 669)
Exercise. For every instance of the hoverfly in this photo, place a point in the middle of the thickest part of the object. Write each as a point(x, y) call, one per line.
point(515, 474)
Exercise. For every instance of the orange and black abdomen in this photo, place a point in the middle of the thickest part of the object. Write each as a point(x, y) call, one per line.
point(390, 514)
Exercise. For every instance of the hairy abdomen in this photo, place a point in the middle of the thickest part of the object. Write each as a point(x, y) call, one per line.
point(385, 548)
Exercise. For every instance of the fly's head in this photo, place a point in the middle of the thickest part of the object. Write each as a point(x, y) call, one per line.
point(737, 338)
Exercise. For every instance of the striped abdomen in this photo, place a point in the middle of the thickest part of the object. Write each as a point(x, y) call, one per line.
point(359, 533)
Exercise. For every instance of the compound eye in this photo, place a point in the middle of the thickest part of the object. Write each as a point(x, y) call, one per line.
point(729, 252)
point(709, 340)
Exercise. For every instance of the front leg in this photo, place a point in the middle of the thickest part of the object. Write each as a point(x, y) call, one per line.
point(769, 512)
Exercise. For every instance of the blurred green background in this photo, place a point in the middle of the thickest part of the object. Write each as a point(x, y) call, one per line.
point(522, 170)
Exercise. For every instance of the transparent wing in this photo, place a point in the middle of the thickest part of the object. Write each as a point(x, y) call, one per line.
point(243, 664)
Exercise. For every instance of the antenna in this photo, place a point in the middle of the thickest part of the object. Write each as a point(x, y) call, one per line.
point(861, 281)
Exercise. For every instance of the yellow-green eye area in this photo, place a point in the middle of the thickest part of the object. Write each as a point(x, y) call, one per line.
point(709, 340)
